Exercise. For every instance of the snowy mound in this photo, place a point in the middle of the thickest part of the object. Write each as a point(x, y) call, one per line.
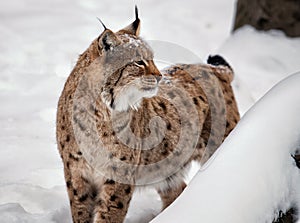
point(253, 176)
point(260, 60)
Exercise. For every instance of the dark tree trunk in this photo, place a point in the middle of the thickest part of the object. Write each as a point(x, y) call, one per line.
point(269, 14)
point(289, 216)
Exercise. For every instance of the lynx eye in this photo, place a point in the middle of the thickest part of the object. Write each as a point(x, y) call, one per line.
point(141, 63)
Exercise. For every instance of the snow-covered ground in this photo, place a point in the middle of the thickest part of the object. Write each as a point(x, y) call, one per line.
point(40, 43)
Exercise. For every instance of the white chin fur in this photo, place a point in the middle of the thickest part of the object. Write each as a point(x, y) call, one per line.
point(131, 97)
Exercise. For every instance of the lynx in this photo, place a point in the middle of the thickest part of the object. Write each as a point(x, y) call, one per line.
point(122, 124)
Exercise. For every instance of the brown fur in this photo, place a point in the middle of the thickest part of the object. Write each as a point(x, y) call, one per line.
point(109, 149)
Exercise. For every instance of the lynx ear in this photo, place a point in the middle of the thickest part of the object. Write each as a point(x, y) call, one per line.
point(133, 28)
point(108, 40)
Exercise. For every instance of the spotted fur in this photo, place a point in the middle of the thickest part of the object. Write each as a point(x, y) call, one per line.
point(115, 95)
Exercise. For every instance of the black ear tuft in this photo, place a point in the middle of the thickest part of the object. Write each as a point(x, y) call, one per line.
point(133, 28)
point(102, 23)
point(136, 13)
point(136, 23)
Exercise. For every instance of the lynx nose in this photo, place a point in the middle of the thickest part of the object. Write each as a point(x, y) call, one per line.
point(158, 78)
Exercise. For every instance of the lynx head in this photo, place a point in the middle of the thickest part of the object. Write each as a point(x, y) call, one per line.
point(129, 70)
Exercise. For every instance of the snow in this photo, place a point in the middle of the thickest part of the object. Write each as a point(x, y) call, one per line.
point(260, 60)
point(249, 180)
point(40, 43)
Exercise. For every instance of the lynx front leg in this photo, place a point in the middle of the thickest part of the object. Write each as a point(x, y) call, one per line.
point(81, 196)
point(170, 194)
point(112, 202)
